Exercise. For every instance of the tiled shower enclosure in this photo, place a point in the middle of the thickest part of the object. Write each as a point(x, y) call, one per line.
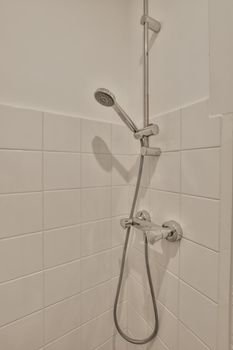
point(65, 183)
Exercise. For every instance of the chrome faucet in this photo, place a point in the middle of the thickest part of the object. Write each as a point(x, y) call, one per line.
point(170, 230)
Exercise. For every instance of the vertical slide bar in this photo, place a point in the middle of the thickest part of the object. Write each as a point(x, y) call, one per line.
point(146, 67)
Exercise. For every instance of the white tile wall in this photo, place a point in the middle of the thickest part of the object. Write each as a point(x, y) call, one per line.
point(26, 209)
point(67, 312)
point(61, 242)
point(61, 170)
point(199, 130)
point(184, 186)
point(61, 208)
point(20, 171)
point(26, 333)
point(192, 306)
point(200, 172)
point(57, 241)
point(62, 245)
point(20, 256)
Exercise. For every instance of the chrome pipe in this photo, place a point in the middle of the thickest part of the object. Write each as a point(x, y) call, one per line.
point(146, 65)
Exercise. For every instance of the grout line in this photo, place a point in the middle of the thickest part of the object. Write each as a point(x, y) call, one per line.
point(43, 222)
point(194, 334)
point(199, 292)
point(81, 326)
point(23, 276)
point(175, 276)
point(24, 235)
point(110, 154)
point(201, 245)
point(40, 272)
point(22, 318)
point(67, 189)
point(180, 215)
point(200, 148)
point(79, 224)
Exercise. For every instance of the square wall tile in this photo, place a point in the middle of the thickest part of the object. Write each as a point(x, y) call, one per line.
point(95, 237)
point(138, 297)
point(26, 209)
point(164, 206)
point(199, 129)
point(61, 133)
point(192, 306)
point(165, 172)
point(61, 170)
point(192, 256)
point(68, 314)
point(20, 128)
point(100, 328)
point(166, 287)
point(69, 341)
point(96, 203)
point(137, 325)
point(167, 255)
point(124, 291)
point(196, 226)
point(95, 137)
point(61, 245)
point(187, 340)
point(116, 260)
point(116, 342)
point(167, 321)
point(124, 169)
point(123, 141)
point(61, 208)
point(201, 172)
point(169, 135)
point(62, 282)
point(96, 301)
point(20, 256)
point(96, 170)
point(118, 233)
point(26, 333)
point(136, 266)
point(20, 297)
point(120, 200)
point(21, 171)
point(143, 198)
point(95, 270)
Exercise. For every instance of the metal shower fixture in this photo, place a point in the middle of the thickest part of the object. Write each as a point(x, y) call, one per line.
point(170, 230)
point(107, 99)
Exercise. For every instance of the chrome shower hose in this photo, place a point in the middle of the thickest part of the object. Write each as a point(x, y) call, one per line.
point(119, 286)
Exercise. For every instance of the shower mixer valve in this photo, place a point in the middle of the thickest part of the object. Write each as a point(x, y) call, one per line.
point(170, 230)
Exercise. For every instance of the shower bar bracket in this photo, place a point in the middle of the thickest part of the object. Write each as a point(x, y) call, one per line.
point(150, 130)
point(153, 24)
point(170, 230)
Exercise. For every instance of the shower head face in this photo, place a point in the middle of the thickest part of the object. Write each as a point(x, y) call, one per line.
point(105, 97)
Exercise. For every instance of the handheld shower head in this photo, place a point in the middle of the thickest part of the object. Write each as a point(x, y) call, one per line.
point(107, 99)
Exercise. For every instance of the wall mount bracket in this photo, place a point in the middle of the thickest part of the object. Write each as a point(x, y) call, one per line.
point(153, 25)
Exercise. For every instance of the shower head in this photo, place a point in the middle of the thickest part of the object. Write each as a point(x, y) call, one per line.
point(107, 99)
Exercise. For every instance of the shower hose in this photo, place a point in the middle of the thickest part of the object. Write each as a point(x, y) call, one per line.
point(119, 286)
